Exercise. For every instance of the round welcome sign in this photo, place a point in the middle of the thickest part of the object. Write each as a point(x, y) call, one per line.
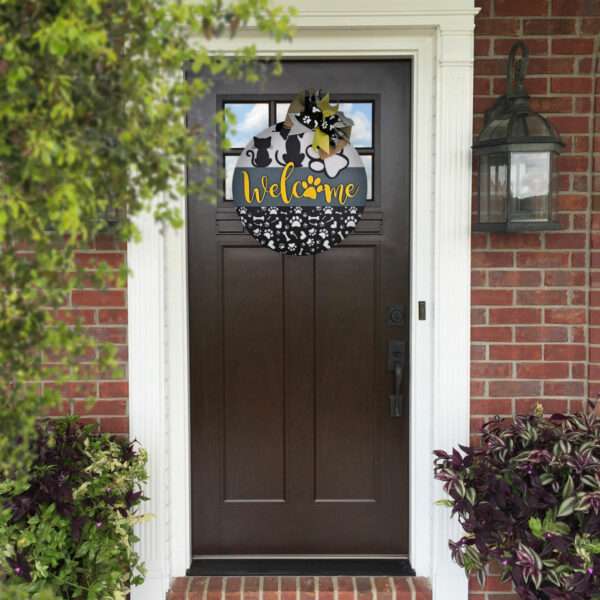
point(299, 186)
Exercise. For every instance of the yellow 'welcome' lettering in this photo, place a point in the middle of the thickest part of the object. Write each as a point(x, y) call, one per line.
point(280, 189)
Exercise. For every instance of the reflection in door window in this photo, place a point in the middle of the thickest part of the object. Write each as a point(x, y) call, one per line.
point(250, 119)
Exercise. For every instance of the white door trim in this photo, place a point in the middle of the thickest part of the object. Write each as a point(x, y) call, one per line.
point(439, 40)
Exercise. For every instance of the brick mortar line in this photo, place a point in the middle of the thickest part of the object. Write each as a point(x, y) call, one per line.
point(411, 585)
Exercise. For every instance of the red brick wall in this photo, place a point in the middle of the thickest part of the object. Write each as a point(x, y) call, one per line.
point(536, 314)
point(104, 313)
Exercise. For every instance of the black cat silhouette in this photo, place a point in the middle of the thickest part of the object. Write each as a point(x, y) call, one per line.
point(292, 151)
point(261, 158)
point(282, 129)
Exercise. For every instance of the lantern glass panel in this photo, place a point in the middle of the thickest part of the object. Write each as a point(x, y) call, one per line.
point(530, 186)
point(493, 169)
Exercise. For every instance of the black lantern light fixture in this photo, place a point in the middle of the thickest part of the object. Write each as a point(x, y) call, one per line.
point(517, 151)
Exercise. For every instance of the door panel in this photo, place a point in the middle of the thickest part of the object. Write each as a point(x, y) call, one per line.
point(254, 387)
point(294, 450)
point(345, 396)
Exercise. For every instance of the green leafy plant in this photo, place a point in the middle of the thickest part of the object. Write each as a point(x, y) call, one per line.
point(529, 499)
point(92, 125)
point(93, 132)
point(67, 528)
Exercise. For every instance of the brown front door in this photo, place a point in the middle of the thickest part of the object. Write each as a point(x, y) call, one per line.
point(294, 447)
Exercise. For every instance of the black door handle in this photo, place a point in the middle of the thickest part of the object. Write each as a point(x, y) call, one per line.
point(396, 351)
point(396, 399)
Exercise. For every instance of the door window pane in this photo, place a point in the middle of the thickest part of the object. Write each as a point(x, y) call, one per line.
point(362, 115)
point(253, 117)
point(281, 109)
point(360, 112)
point(250, 119)
point(368, 162)
point(230, 162)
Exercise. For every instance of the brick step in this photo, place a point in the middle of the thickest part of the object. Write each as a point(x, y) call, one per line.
point(300, 588)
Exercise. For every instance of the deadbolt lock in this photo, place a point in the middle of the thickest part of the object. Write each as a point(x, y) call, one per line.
point(395, 315)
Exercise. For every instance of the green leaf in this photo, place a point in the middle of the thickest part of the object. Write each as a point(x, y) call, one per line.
point(567, 507)
point(447, 503)
point(548, 526)
point(535, 525)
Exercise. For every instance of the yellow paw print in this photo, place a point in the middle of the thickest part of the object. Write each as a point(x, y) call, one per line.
point(312, 186)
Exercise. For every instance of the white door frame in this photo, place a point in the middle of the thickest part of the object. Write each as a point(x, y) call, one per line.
point(439, 40)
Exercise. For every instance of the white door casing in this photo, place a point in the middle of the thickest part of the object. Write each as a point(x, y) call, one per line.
point(437, 35)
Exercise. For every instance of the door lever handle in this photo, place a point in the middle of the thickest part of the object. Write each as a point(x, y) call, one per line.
point(396, 399)
point(396, 351)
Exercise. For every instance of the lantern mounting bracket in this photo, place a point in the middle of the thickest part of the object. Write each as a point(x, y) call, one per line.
point(516, 70)
point(516, 94)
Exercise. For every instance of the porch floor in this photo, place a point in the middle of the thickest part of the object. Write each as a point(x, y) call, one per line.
point(299, 588)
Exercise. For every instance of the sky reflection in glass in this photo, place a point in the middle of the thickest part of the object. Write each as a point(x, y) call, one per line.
point(250, 120)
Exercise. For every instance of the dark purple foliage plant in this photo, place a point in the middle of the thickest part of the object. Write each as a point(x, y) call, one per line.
point(529, 499)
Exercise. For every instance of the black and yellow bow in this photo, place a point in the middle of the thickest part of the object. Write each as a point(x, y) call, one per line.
point(314, 110)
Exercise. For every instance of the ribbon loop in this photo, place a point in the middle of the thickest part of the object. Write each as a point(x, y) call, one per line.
point(313, 109)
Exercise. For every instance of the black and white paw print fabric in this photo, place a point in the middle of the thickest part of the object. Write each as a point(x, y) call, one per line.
point(299, 230)
point(290, 199)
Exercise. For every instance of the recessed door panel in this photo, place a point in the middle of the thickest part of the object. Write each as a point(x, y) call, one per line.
point(253, 369)
point(345, 399)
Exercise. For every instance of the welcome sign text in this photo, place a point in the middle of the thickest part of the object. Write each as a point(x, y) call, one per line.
point(298, 186)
